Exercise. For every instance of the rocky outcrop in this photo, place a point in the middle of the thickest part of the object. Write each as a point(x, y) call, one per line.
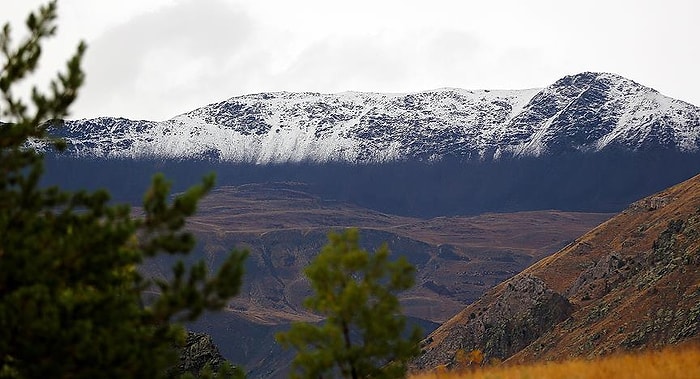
point(199, 351)
point(648, 300)
point(631, 283)
point(597, 280)
point(519, 315)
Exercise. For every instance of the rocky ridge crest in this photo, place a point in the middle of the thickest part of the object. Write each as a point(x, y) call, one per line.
point(587, 112)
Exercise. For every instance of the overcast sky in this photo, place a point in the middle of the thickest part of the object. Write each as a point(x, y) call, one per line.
point(154, 59)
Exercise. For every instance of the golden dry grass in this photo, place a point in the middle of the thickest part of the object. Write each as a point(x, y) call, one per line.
point(666, 364)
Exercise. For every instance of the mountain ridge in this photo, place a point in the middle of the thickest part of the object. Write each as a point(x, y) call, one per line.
point(586, 112)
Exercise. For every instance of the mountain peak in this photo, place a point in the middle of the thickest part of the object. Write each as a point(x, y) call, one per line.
point(584, 112)
point(589, 78)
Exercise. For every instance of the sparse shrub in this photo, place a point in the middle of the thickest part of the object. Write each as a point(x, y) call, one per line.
point(461, 359)
point(495, 361)
point(440, 371)
point(476, 357)
point(362, 334)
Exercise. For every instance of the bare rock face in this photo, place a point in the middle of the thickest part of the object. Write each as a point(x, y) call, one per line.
point(602, 276)
point(198, 352)
point(643, 295)
point(631, 283)
point(524, 311)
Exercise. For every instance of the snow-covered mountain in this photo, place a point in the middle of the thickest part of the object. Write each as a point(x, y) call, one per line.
point(584, 112)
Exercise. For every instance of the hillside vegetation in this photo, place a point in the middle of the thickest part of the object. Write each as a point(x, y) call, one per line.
point(666, 364)
point(630, 284)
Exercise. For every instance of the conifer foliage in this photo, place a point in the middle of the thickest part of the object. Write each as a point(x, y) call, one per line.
point(362, 336)
point(71, 297)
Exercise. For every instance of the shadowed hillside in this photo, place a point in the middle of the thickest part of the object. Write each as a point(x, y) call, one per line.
point(607, 181)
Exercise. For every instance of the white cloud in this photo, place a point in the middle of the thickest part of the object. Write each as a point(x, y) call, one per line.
point(158, 58)
point(386, 62)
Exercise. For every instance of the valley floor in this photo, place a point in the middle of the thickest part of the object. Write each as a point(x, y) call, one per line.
point(669, 363)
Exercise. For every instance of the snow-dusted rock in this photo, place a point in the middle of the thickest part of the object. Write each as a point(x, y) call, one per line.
point(584, 112)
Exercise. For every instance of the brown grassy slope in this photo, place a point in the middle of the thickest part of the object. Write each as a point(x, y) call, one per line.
point(630, 233)
point(284, 227)
point(623, 292)
point(458, 258)
point(666, 364)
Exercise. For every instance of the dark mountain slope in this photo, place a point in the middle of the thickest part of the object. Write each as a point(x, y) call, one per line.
point(602, 182)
